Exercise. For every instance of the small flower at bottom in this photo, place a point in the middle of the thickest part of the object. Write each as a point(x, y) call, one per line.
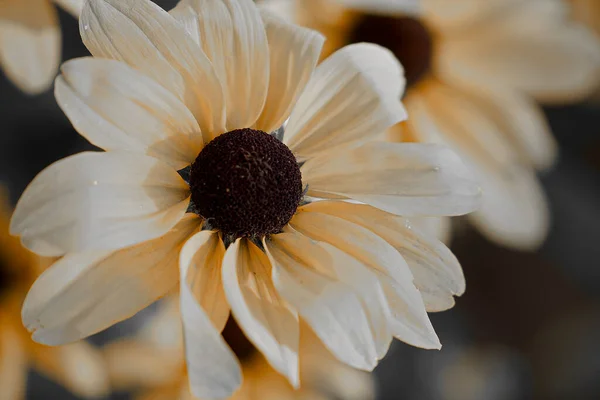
point(199, 174)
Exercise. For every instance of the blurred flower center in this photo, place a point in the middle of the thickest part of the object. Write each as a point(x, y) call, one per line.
point(239, 343)
point(6, 277)
point(246, 183)
point(409, 40)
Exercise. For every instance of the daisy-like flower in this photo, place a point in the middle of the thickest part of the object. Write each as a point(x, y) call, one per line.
point(152, 365)
point(30, 41)
point(78, 367)
point(473, 69)
point(188, 106)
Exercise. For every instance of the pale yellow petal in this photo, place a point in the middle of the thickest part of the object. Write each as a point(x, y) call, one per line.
point(268, 321)
point(13, 363)
point(352, 97)
point(30, 43)
point(118, 108)
point(143, 35)
point(74, 7)
point(83, 293)
point(99, 201)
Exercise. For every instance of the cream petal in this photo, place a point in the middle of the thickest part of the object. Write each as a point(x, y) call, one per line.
point(79, 367)
point(309, 275)
point(214, 371)
point(294, 52)
point(438, 227)
point(202, 256)
point(99, 201)
point(266, 319)
point(84, 293)
point(402, 178)
point(74, 7)
point(118, 108)
point(385, 7)
point(13, 363)
point(147, 38)
point(406, 312)
point(436, 271)
point(352, 97)
point(534, 48)
point(514, 211)
point(232, 35)
point(30, 43)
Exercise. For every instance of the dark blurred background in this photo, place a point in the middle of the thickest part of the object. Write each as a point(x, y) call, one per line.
point(528, 324)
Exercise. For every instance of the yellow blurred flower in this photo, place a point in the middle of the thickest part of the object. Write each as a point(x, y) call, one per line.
point(588, 12)
point(78, 367)
point(474, 69)
point(153, 365)
point(30, 41)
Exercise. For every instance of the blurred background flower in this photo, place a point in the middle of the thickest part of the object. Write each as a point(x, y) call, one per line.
point(527, 324)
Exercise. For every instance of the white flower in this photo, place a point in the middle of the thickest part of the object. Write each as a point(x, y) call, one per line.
point(30, 41)
point(202, 85)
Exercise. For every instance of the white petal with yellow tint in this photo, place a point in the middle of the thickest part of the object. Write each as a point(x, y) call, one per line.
point(143, 35)
point(232, 35)
point(29, 43)
point(401, 178)
point(13, 362)
point(352, 97)
point(407, 317)
point(79, 367)
point(214, 371)
point(311, 276)
point(99, 201)
point(74, 7)
point(202, 256)
point(266, 318)
point(514, 210)
point(294, 52)
point(436, 271)
point(533, 48)
point(84, 293)
point(117, 108)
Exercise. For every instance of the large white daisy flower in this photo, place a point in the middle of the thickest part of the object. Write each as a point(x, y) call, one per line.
point(473, 70)
point(183, 103)
point(30, 41)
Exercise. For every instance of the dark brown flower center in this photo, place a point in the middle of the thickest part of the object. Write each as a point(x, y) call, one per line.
point(246, 183)
point(409, 40)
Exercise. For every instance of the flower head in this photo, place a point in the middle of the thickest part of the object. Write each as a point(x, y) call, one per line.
point(220, 132)
point(473, 69)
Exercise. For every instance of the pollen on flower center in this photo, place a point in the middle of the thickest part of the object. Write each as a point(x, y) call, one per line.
point(246, 183)
point(409, 40)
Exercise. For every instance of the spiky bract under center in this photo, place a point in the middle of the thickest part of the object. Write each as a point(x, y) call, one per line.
point(246, 183)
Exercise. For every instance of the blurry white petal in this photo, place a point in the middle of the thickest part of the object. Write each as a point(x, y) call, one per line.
point(213, 369)
point(74, 7)
point(232, 35)
point(309, 276)
point(294, 52)
point(146, 37)
point(118, 108)
point(533, 48)
point(265, 318)
point(438, 227)
point(401, 178)
point(202, 257)
point(436, 271)
point(385, 7)
point(99, 201)
point(352, 97)
point(406, 312)
point(83, 293)
point(514, 211)
point(79, 367)
point(29, 43)
point(13, 363)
